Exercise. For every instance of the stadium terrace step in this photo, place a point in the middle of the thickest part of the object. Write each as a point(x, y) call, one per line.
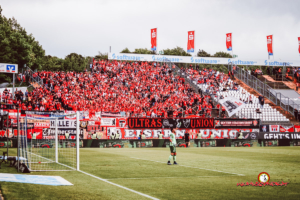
point(35, 84)
point(276, 84)
point(267, 101)
point(290, 84)
point(269, 78)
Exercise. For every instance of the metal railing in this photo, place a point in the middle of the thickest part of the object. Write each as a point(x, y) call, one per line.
point(29, 74)
point(177, 71)
point(264, 89)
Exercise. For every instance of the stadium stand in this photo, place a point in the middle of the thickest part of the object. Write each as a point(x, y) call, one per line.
point(220, 86)
point(137, 88)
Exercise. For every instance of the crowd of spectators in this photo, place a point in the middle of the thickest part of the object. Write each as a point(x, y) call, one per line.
point(136, 88)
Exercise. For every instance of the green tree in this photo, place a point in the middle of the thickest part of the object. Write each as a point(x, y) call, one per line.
point(17, 46)
point(143, 51)
point(222, 54)
point(101, 56)
point(177, 51)
point(202, 53)
point(126, 50)
point(75, 62)
point(53, 63)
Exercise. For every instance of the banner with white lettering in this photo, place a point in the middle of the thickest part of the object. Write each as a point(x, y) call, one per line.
point(63, 133)
point(232, 105)
point(63, 124)
point(125, 133)
point(42, 124)
point(279, 136)
point(110, 114)
point(68, 112)
point(109, 122)
point(200, 60)
point(237, 123)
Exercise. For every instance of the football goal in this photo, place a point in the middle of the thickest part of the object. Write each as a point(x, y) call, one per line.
point(49, 143)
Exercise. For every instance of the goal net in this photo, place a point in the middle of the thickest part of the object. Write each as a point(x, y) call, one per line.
point(50, 143)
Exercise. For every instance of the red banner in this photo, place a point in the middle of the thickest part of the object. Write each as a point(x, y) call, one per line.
point(299, 44)
point(270, 44)
point(297, 128)
point(37, 131)
point(191, 42)
point(153, 39)
point(42, 125)
point(229, 41)
point(167, 123)
point(286, 128)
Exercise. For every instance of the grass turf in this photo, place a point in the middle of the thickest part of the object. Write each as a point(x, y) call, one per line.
point(193, 178)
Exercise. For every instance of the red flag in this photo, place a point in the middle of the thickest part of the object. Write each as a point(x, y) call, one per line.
point(270, 44)
point(191, 42)
point(299, 44)
point(153, 39)
point(229, 41)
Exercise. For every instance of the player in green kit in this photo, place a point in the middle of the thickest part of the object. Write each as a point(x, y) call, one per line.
point(172, 147)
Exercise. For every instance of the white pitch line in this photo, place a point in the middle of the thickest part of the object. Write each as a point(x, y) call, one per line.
point(105, 180)
point(168, 177)
point(194, 167)
point(120, 186)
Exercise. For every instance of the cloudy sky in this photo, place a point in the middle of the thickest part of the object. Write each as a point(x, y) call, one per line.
point(89, 26)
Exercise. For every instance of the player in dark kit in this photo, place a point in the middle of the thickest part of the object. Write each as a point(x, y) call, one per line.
point(187, 139)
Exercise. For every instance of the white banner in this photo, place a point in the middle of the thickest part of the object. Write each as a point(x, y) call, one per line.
point(274, 128)
point(110, 114)
point(199, 60)
point(67, 112)
point(8, 68)
point(98, 114)
point(232, 105)
point(108, 121)
point(84, 115)
point(63, 124)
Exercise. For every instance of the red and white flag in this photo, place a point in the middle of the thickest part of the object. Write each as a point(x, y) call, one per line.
point(299, 45)
point(153, 39)
point(229, 41)
point(270, 44)
point(191, 42)
point(286, 128)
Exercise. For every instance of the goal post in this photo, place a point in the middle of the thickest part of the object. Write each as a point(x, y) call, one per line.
point(77, 140)
point(44, 146)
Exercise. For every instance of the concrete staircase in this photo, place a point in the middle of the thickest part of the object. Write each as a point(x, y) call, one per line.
point(267, 101)
point(290, 84)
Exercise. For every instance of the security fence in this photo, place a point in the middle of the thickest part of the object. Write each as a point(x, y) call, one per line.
point(264, 89)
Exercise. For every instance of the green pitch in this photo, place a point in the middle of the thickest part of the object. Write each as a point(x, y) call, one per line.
point(202, 173)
